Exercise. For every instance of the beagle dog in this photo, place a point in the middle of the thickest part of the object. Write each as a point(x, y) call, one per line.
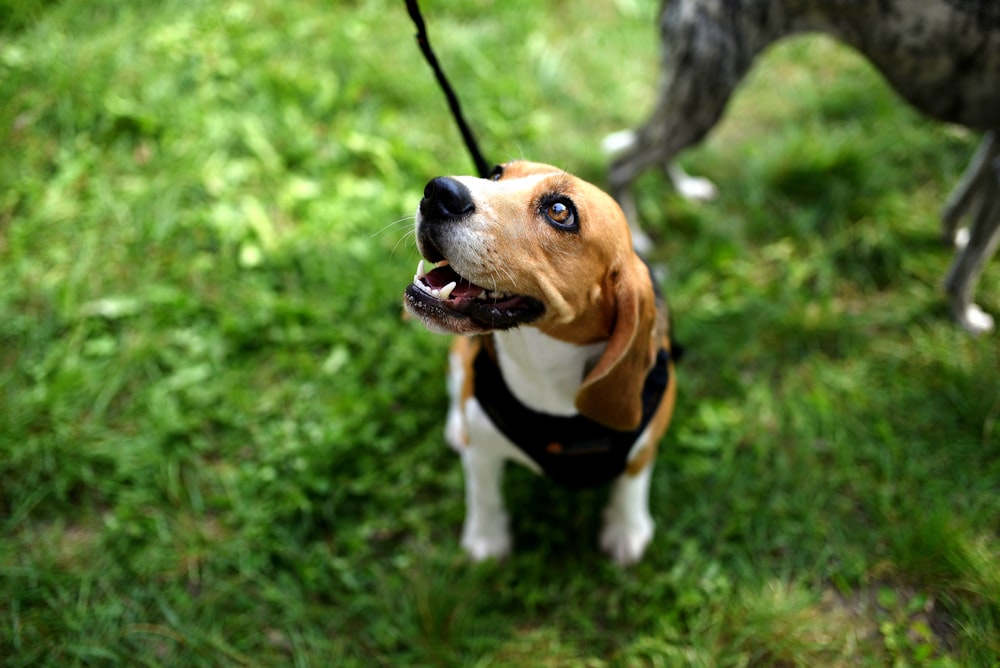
point(563, 361)
point(941, 56)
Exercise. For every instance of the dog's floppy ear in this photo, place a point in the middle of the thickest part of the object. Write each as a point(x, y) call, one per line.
point(611, 393)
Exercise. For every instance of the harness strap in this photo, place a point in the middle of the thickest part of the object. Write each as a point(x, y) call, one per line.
point(573, 450)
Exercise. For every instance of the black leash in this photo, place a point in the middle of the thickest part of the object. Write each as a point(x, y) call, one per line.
point(482, 166)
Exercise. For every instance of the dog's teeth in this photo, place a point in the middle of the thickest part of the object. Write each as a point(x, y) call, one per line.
point(445, 292)
point(422, 268)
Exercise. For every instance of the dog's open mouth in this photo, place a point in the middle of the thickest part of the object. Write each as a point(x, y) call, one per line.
point(442, 297)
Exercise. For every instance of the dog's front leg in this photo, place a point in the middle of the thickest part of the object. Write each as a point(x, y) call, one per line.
point(485, 533)
point(628, 526)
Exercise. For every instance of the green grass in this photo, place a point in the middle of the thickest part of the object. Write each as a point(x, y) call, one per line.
point(220, 443)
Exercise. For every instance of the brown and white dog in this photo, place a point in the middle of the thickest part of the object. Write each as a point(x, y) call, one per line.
point(942, 56)
point(563, 363)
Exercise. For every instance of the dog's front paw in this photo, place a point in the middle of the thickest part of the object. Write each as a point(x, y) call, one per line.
point(975, 320)
point(625, 539)
point(486, 540)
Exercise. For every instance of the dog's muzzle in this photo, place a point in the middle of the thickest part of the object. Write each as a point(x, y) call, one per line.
point(441, 296)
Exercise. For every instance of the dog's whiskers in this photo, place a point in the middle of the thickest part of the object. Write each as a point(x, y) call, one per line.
point(407, 235)
point(396, 223)
point(506, 272)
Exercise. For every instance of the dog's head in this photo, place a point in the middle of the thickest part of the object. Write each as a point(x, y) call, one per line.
point(533, 245)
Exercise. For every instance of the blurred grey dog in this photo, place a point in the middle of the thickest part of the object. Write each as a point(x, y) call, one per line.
point(942, 56)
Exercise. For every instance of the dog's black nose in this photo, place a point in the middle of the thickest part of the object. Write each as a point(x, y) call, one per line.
point(446, 199)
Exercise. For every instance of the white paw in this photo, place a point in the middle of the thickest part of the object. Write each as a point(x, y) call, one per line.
point(626, 540)
point(691, 187)
point(975, 320)
point(482, 540)
point(962, 238)
point(617, 143)
point(696, 188)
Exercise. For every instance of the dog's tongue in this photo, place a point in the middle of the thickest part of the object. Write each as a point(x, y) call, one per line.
point(441, 276)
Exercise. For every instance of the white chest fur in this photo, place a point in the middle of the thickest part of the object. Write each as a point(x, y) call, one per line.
point(544, 373)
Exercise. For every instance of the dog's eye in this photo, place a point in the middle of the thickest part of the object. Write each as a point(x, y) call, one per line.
point(561, 214)
point(495, 173)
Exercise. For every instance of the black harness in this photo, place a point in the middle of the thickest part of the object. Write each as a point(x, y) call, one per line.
point(574, 451)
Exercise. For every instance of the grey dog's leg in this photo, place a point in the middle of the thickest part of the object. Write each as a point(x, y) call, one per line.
point(969, 188)
point(984, 235)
